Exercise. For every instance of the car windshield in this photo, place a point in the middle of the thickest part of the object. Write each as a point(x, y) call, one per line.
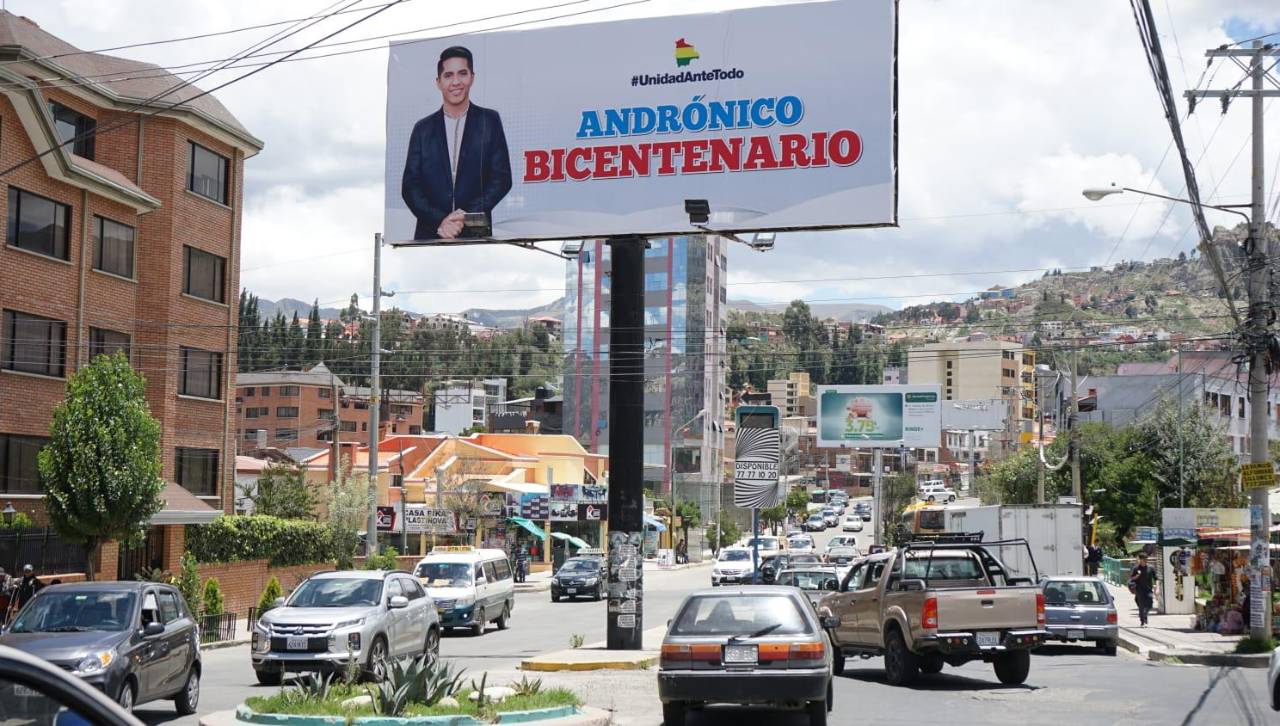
point(336, 592)
point(808, 580)
point(944, 568)
point(445, 574)
point(734, 555)
point(1082, 592)
point(580, 566)
point(740, 615)
point(70, 612)
point(800, 542)
point(816, 518)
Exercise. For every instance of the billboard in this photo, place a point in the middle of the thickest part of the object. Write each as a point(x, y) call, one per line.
point(757, 451)
point(879, 416)
point(779, 117)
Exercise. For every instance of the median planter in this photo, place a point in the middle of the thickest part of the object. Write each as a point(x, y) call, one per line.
point(245, 714)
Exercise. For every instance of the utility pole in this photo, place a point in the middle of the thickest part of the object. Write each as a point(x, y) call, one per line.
point(1075, 428)
point(1257, 327)
point(877, 493)
point(1040, 436)
point(371, 539)
point(337, 427)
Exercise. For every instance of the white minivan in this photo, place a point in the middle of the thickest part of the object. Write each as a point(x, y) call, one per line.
point(470, 587)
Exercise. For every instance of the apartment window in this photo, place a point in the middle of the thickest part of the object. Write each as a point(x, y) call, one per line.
point(71, 124)
point(37, 224)
point(251, 412)
point(201, 373)
point(207, 174)
point(106, 342)
point(286, 411)
point(197, 471)
point(397, 480)
point(324, 413)
point(949, 364)
point(18, 472)
point(113, 248)
point(286, 435)
point(33, 344)
point(266, 390)
point(348, 426)
point(325, 393)
point(1240, 408)
point(288, 390)
point(251, 434)
point(204, 275)
point(247, 392)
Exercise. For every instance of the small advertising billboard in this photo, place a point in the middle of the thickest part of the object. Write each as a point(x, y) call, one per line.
point(879, 416)
point(776, 117)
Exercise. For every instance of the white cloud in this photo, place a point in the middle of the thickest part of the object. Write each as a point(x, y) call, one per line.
point(1007, 110)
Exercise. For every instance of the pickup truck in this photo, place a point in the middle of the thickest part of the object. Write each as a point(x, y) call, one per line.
point(933, 603)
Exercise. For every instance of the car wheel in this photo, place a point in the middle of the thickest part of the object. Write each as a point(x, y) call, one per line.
point(837, 665)
point(901, 666)
point(673, 714)
point(1107, 646)
point(269, 678)
point(1012, 668)
point(432, 646)
point(477, 627)
point(817, 711)
point(125, 699)
point(189, 698)
point(377, 665)
point(555, 597)
point(506, 615)
point(599, 593)
point(931, 664)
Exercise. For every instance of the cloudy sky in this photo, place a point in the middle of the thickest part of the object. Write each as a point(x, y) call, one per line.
point(1007, 110)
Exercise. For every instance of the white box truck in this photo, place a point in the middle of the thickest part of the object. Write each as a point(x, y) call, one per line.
point(1053, 532)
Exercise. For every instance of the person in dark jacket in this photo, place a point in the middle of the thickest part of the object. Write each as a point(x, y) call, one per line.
point(458, 160)
point(1142, 583)
point(522, 563)
point(26, 588)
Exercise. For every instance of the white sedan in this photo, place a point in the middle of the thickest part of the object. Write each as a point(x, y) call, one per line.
point(852, 523)
point(800, 543)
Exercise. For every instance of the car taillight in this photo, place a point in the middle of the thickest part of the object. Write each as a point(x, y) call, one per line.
point(806, 655)
point(672, 655)
point(929, 614)
point(1040, 608)
point(1111, 617)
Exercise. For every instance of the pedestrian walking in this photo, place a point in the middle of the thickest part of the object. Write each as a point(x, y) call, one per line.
point(1092, 559)
point(1142, 583)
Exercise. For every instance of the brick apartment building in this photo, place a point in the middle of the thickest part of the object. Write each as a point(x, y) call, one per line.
point(127, 239)
point(294, 409)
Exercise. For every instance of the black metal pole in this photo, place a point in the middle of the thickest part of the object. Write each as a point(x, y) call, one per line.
point(626, 444)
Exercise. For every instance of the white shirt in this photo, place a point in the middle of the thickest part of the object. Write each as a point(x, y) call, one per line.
point(453, 131)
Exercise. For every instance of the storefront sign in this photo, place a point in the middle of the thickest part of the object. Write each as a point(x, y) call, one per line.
point(593, 512)
point(419, 519)
point(387, 519)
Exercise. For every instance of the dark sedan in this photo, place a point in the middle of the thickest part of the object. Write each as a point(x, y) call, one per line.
point(770, 568)
point(750, 645)
point(578, 577)
point(134, 641)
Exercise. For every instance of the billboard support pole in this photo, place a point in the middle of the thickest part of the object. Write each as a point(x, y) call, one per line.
point(624, 617)
point(877, 465)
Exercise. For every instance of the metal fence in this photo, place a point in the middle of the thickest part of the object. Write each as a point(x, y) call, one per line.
point(1116, 571)
point(43, 549)
point(217, 628)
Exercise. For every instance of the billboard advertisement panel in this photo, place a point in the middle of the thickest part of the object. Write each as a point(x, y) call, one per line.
point(604, 129)
point(879, 416)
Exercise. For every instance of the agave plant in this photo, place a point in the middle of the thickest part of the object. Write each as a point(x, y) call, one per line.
point(421, 680)
point(526, 687)
point(313, 686)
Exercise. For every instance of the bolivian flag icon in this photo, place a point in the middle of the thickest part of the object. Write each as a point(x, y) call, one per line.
point(685, 53)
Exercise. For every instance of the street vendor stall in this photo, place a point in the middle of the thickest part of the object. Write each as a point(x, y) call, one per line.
point(1204, 559)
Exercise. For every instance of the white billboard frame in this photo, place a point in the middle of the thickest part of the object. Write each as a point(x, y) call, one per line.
point(917, 424)
point(866, 197)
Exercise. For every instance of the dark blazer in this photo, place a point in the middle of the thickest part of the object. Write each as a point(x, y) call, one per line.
point(484, 169)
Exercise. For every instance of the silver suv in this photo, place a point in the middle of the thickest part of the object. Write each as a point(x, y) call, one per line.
point(333, 618)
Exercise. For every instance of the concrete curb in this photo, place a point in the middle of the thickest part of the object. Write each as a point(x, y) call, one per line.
point(1152, 651)
point(584, 716)
point(585, 659)
point(540, 586)
point(217, 645)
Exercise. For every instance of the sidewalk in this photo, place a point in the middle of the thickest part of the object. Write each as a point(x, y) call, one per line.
point(535, 582)
point(1172, 638)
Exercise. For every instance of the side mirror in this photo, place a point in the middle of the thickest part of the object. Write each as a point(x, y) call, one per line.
point(831, 585)
point(913, 585)
point(830, 622)
point(151, 630)
point(277, 603)
point(397, 602)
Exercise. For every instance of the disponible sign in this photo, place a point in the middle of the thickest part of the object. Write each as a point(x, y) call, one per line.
point(755, 468)
point(606, 129)
point(879, 416)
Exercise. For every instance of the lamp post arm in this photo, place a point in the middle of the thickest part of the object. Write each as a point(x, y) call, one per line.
point(1187, 202)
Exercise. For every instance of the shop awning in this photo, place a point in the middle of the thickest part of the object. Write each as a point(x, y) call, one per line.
point(575, 541)
point(654, 522)
point(533, 529)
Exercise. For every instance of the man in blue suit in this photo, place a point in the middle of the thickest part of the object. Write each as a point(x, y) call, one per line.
point(458, 160)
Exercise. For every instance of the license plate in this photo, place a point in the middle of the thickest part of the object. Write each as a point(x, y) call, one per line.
point(24, 692)
point(295, 644)
point(571, 590)
point(1077, 634)
point(988, 639)
point(740, 655)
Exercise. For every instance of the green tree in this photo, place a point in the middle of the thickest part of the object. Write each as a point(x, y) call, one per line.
point(896, 493)
point(270, 594)
point(189, 582)
point(282, 491)
point(347, 506)
point(690, 515)
point(797, 501)
point(101, 468)
point(315, 335)
point(774, 516)
point(213, 603)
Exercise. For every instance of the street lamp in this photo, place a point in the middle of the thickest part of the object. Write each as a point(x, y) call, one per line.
point(9, 512)
point(671, 466)
point(1094, 194)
